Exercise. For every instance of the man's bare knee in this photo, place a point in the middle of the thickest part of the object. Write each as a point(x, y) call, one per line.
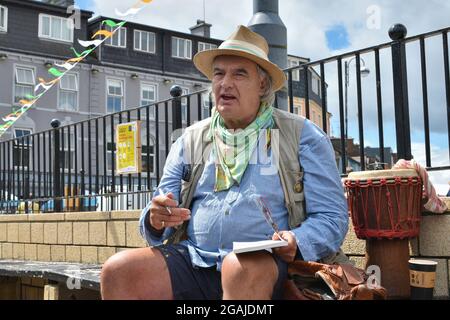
point(248, 271)
point(136, 274)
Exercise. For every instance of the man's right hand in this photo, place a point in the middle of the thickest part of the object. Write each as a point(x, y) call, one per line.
point(161, 218)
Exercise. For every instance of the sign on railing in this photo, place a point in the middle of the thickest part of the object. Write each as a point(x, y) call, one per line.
point(129, 147)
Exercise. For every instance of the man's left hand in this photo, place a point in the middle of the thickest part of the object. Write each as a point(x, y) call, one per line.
point(288, 252)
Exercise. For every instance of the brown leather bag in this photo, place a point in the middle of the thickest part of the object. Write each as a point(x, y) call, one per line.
point(318, 281)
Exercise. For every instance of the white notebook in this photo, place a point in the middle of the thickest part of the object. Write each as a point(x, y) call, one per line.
point(239, 247)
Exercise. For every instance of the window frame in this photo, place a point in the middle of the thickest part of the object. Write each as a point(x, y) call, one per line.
point(5, 27)
point(140, 41)
point(66, 150)
point(15, 82)
point(77, 91)
point(148, 84)
point(107, 94)
point(152, 155)
point(109, 41)
point(184, 91)
point(205, 106)
point(212, 46)
point(16, 145)
point(292, 62)
point(109, 158)
point(50, 37)
point(22, 129)
point(185, 48)
point(316, 79)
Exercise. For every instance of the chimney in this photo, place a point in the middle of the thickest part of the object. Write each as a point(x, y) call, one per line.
point(267, 22)
point(202, 29)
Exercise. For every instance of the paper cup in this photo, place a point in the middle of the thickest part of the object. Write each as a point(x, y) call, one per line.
point(422, 274)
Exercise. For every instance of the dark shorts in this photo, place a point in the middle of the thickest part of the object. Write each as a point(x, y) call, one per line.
point(191, 282)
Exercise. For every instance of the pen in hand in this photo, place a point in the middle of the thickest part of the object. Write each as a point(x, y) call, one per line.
point(164, 194)
point(267, 215)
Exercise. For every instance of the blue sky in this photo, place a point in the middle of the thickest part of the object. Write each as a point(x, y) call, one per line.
point(337, 37)
point(84, 4)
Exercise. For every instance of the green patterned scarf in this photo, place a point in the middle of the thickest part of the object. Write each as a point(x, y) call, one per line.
point(233, 148)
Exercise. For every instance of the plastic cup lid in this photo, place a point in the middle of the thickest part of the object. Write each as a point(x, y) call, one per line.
point(423, 262)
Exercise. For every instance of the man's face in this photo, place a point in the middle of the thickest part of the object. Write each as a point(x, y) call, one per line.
point(237, 87)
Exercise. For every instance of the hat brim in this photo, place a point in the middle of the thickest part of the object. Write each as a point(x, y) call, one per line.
point(203, 61)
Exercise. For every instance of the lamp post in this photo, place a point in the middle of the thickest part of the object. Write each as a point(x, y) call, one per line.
point(364, 73)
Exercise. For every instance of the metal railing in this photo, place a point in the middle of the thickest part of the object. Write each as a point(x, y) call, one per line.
point(72, 167)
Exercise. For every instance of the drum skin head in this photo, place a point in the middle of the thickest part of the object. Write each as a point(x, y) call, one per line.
point(378, 174)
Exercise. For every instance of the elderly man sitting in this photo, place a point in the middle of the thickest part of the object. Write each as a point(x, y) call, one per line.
point(213, 175)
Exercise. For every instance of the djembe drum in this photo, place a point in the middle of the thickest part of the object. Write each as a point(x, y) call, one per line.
point(385, 207)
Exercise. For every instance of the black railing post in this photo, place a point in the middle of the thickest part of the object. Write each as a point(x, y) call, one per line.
point(82, 190)
point(398, 33)
point(57, 207)
point(176, 92)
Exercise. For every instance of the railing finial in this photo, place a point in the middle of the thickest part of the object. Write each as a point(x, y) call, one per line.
point(55, 123)
point(176, 91)
point(397, 32)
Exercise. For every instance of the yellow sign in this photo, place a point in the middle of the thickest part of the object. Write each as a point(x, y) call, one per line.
point(128, 154)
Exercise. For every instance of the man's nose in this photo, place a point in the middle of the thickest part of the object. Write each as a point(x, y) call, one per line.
point(227, 81)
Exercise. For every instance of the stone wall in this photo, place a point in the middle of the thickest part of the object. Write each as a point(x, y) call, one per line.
point(87, 237)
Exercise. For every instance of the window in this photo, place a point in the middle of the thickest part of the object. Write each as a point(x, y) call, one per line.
point(21, 153)
point(150, 151)
point(18, 133)
point(181, 48)
point(148, 96)
point(295, 72)
point(68, 96)
point(296, 109)
point(144, 41)
point(24, 84)
point(3, 19)
point(202, 46)
point(67, 156)
point(110, 148)
point(118, 39)
point(115, 95)
point(55, 28)
point(205, 109)
point(316, 84)
point(184, 109)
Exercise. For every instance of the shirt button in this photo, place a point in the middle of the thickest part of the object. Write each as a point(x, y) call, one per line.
point(298, 187)
point(222, 246)
point(227, 212)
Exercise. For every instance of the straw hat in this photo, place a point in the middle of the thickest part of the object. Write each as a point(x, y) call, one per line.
point(242, 43)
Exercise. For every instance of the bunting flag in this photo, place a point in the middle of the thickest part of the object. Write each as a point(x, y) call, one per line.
point(45, 85)
point(86, 44)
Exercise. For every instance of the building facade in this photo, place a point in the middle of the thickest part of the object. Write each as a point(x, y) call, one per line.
point(137, 66)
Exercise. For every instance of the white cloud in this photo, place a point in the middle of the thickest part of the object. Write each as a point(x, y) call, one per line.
point(306, 23)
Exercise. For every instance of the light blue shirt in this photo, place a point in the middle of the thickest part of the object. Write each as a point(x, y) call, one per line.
point(219, 218)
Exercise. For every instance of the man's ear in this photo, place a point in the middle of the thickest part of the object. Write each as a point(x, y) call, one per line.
point(262, 85)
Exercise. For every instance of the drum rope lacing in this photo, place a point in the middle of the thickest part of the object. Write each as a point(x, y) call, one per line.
point(404, 220)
